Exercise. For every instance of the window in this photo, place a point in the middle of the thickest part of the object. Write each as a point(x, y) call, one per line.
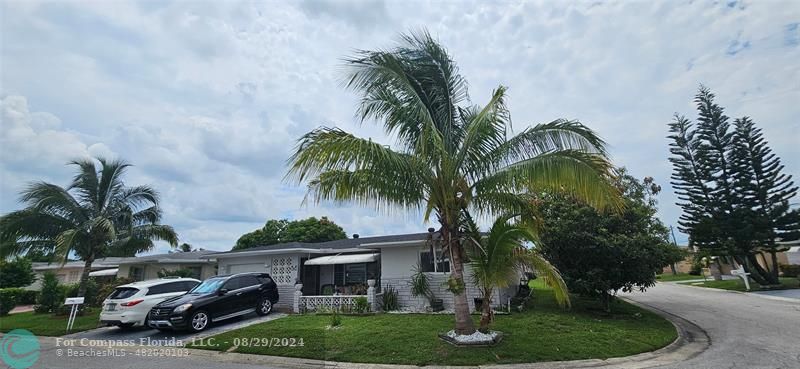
point(350, 274)
point(196, 271)
point(171, 287)
point(136, 273)
point(122, 293)
point(249, 280)
point(426, 261)
point(208, 286)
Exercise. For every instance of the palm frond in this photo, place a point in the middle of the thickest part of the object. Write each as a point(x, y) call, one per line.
point(582, 175)
point(368, 186)
point(549, 275)
point(156, 232)
point(485, 132)
point(110, 184)
point(86, 181)
point(49, 198)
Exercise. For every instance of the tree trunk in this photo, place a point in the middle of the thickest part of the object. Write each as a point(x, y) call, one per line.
point(464, 323)
point(774, 264)
point(87, 268)
point(486, 312)
point(672, 267)
point(755, 274)
point(765, 275)
point(605, 301)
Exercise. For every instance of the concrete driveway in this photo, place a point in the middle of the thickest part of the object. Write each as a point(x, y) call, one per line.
point(148, 336)
point(747, 331)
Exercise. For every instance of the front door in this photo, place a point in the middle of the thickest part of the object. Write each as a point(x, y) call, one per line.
point(310, 278)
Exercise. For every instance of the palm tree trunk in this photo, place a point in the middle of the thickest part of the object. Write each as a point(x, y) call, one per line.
point(486, 312)
point(464, 324)
point(87, 268)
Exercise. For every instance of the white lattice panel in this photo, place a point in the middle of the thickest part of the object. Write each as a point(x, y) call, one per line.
point(284, 270)
point(313, 303)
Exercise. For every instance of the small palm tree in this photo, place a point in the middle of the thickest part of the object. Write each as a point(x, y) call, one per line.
point(500, 258)
point(452, 158)
point(94, 217)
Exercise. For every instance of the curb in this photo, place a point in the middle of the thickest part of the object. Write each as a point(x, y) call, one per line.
point(751, 293)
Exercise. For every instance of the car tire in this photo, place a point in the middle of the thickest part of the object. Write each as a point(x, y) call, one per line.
point(264, 306)
point(199, 321)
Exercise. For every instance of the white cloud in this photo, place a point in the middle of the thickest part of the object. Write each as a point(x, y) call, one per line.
point(208, 98)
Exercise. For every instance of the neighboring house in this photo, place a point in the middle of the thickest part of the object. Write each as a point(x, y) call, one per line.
point(70, 272)
point(343, 267)
point(146, 267)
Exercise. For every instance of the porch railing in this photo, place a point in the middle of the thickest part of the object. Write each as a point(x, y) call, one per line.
point(304, 304)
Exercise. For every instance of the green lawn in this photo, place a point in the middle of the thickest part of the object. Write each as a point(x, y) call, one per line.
point(47, 324)
point(543, 333)
point(738, 285)
point(669, 277)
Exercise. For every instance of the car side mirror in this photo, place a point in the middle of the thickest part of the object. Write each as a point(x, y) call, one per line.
point(222, 291)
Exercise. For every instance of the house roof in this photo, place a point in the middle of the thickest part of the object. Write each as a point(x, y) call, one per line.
point(345, 245)
point(111, 262)
point(197, 256)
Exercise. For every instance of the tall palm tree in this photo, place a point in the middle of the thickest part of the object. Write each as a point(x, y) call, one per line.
point(94, 217)
point(452, 157)
point(499, 258)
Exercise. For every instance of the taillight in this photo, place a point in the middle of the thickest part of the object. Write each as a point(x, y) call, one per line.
point(131, 303)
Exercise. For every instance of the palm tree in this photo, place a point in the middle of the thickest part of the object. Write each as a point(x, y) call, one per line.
point(452, 158)
point(500, 257)
point(94, 217)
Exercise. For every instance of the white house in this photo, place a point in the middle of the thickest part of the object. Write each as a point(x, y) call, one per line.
point(140, 268)
point(344, 267)
point(70, 272)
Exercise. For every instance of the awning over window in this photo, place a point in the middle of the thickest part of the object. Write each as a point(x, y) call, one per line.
point(343, 259)
point(103, 273)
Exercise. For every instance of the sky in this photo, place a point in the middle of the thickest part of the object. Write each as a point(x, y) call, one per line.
point(208, 98)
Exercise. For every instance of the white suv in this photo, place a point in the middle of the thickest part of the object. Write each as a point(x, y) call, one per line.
point(129, 304)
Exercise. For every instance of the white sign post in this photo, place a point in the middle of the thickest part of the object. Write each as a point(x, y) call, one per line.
point(741, 273)
point(74, 301)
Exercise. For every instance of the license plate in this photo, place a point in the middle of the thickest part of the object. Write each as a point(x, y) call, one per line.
point(111, 307)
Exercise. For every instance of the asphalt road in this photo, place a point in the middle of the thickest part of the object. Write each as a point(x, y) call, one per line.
point(746, 331)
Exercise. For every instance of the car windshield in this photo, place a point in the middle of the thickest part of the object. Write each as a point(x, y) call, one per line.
point(208, 286)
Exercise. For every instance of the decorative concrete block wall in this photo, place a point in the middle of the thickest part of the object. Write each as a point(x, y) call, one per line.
point(438, 286)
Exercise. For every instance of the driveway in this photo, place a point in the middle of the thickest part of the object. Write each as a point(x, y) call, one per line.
point(746, 331)
point(155, 337)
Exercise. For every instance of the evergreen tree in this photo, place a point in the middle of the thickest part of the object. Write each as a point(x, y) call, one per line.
point(734, 195)
point(764, 191)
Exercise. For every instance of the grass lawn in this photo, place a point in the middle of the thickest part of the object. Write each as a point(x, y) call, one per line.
point(47, 324)
point(542, 333)
point(738, 285)
point(669, 277)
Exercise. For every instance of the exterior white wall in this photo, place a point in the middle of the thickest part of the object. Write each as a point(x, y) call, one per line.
point(397, 264)
point(151, 269)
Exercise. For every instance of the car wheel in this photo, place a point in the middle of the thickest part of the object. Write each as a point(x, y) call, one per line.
point(264, 307)
point(199, 321)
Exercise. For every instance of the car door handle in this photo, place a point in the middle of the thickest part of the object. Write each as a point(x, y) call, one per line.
point(239, 294)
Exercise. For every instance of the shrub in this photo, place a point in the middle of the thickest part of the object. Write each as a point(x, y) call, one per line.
point(790, 270)
point(336, 319)
point(361, 305)
point(8, 300)
point(389, 299)
point(16, 273)
point(21, 296)
point(51, 297)
point(183, 273)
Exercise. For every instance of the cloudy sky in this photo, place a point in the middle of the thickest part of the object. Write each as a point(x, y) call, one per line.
point(206, 98)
